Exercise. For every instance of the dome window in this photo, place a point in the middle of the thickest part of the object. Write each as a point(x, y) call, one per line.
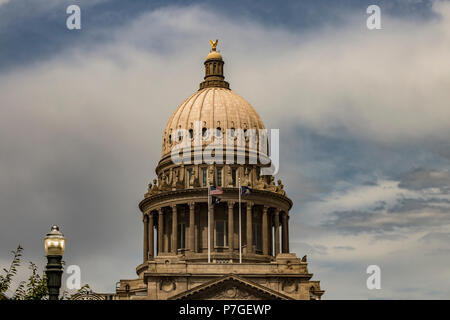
point(232, 132)
point(191, 133)
point(204, 132)
point(219, 132)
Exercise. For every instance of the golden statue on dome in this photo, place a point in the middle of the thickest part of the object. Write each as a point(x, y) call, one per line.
point(214, 44)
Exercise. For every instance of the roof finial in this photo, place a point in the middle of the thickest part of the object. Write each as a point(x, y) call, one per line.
point(214, 44)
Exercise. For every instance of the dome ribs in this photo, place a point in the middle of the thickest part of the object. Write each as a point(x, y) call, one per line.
point(190, 109)
point(209, 106)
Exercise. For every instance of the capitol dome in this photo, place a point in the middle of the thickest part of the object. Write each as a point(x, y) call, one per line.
point(215, 108)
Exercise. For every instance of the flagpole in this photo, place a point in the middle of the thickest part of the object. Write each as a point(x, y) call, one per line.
point(240, 232)
point(209, 221)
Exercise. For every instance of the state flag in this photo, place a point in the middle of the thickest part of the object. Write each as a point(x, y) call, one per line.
point(214, 191)
point(245, 191)
point(215, 200)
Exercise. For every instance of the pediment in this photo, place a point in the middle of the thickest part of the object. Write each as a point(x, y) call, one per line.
point(230, 287)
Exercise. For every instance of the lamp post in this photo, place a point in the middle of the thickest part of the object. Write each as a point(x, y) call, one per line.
point(54, 243)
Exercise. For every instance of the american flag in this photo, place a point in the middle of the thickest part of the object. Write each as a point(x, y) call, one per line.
point(214, 191)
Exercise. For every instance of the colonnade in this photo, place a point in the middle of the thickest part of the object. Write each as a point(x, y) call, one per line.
point(175, 234)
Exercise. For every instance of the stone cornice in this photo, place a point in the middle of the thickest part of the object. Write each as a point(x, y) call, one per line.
point(181, 196)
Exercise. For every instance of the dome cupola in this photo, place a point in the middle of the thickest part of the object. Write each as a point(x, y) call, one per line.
point(214, 69)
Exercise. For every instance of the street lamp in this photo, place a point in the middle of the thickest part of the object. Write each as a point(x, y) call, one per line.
point(54, 243)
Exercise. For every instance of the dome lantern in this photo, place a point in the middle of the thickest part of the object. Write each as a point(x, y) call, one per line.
point(214, 69)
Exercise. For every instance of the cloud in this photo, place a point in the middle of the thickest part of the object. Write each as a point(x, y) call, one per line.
point(425, 178)
point(388, 86)
point(401, 225)
point(389, 205)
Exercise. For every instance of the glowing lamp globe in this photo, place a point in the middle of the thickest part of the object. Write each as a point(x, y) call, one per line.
point(54, 242)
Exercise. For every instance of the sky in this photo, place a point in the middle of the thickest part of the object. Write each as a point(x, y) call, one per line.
point(363, 115)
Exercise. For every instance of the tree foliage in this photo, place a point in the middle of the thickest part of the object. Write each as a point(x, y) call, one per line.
point(33, 289)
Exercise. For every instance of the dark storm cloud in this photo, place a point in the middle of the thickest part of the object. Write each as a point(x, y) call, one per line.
point(406, 214)
point(31, 31)
point(423, 178)
point(436, 236)
point(351, 160)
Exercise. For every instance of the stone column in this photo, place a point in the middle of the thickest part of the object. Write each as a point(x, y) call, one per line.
point(249, 228)
point(270, 233)
point(166, 232)
point(145, 219)
point(151, 237)
point(277, 231)
point(212, 228)
point(265, 231)
point(160, 231)
point(284, 236)
point(174, 229)
point(197, 213)
point(192, 226)
point(287, 231)
point(231, 226)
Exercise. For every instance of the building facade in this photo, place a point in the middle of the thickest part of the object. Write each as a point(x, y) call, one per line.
point(194, 248)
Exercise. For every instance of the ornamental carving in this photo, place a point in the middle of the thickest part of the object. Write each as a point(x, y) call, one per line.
point(234, 293)
point(167, 285)
point(289, 286)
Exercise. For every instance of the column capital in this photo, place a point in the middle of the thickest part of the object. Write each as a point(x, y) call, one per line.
point(277, 211)
point(231, 204)
point(250, 203)
point(145, 217)
point(265, 209)
point(191, 204)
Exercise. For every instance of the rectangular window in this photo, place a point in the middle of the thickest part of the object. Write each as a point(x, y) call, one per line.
point(181, 236)
point(219, 177)
point(257, 236)
point(204, 177)
point(233, 175)
point(221, 235)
